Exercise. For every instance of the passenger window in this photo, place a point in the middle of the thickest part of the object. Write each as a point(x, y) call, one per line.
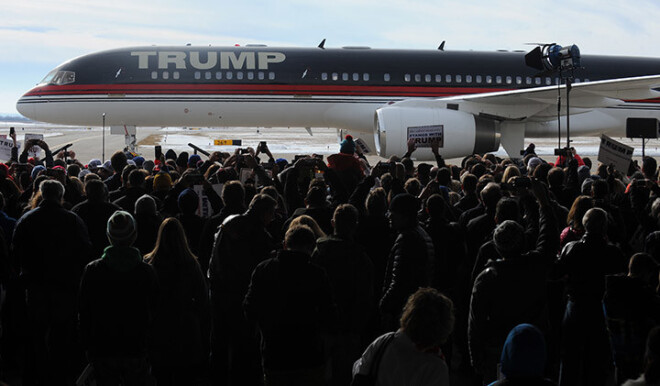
point(335, 76)
point(261, 75)
point(518, 80)
point(577, 80)
point(418, 78)
point(218, 75)
point(386, 77)
point(406, 77)
point(271, 75)
point(198, 75)
point(479, 80)
point(498, 79)
point(586, 79)
point(548, 81)
point(438, 78)
point(448, 78)
point(468, 78)
point(365, 77)
point(344, 76)
point(229, 75)
point(459, 78)
point(537, 81)
point(509, 80)
point(207, 75)
point(250, 75)
point(166, 75)
point(175, 75)
point(356, 77)
point(489, 79)
point(427, 78)
point(239, 75)
point(324, 76)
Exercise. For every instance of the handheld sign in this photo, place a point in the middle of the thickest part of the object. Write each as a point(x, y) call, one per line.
point(5, 149)
point(35, 151)
point(616, 153)
point(363, 146)
point(424, 136)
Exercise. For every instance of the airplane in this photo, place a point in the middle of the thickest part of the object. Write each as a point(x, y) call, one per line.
point(466, 101)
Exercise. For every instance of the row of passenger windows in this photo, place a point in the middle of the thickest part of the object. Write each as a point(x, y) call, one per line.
point(428, 78)
point(365, 77)
point(218, 75)
point(483, 79)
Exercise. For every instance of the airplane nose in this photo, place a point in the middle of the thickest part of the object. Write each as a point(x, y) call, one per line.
point(25, 108)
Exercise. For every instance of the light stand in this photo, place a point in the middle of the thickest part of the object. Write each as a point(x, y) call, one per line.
point(550, 59)
point(103, 150)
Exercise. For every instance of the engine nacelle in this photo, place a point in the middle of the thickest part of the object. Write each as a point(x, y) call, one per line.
point(458, 133)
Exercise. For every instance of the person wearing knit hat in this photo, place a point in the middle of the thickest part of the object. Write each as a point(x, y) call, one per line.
point(347, 146)
point(121, 229)
point(35, 171)
point(509, 238)
point(532, 164)
point(148, 166)
point(139, 160)
point(162, 181)
point(170, 154)
point(583, 173)
point(116, 297)
point(347, 164)
point(193, 160)
point(182, 161)
point(188, 201)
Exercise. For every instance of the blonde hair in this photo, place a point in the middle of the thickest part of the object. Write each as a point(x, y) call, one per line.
point(310, 222)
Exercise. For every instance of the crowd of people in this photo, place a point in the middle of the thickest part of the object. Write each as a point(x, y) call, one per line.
point(243, 269)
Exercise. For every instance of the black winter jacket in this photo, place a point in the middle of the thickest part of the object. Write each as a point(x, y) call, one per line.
point(409, 267)
point(291, 301)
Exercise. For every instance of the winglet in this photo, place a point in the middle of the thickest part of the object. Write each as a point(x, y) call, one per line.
point(441, 47)
point(322, 44)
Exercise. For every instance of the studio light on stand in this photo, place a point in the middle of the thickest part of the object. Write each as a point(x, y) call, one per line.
point(555, 59)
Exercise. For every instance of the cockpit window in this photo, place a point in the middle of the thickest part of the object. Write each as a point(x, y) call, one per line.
point(59, 78)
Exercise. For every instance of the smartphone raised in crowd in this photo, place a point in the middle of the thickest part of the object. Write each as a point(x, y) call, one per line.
point(159, 151)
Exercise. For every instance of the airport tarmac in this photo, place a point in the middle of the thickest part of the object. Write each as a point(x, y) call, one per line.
point(283, 142)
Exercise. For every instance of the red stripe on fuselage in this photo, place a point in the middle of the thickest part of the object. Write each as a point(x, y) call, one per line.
point(252, 89)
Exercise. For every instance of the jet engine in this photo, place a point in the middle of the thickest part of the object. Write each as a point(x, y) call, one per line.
point(458, 133)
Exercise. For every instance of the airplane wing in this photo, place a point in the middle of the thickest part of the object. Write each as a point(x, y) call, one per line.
point(539, 101)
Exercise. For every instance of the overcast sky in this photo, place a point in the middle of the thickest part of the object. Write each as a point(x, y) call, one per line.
point(38, 35)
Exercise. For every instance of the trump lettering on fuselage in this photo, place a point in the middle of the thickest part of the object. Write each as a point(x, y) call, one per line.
point(206, 60)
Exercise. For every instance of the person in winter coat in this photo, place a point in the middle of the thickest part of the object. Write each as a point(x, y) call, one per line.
point(95, 212)
point(410, 264)
point(179, 341)
point(411, 356)
point(117, 296)
point(351, 275)
point(290, 300)
point(511, 290)
point(586, 355)
point(52, 247)
point(240, 245)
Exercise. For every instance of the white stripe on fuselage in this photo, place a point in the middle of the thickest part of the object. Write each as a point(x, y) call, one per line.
point(350, 112)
